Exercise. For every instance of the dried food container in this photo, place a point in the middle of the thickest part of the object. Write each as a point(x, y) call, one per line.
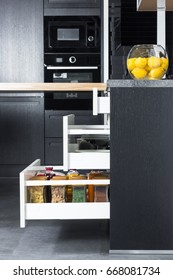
point(98, 193)
point(37, 194)
point(58, 191)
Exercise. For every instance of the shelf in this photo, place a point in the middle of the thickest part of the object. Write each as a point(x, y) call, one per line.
point(146, 5)
point(67, 211)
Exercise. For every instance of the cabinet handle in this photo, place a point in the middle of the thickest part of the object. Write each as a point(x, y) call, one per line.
point(53, 144)
point(49, 67)
point(54, 117)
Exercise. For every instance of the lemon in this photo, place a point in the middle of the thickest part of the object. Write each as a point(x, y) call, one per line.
point(131, 63)
point(139, 73)
point(147, 68)
point(140, 62)
point(164, 63)
point(154, 62)
point(157, 73)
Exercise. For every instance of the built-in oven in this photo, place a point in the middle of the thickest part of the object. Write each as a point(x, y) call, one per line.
point(72, 34)
point(71, 68)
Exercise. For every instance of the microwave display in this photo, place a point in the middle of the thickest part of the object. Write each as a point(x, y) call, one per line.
point(68, 34)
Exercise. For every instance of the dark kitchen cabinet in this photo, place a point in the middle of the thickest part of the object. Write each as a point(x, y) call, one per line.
point(21, 44)
point(141, 132)
point(22, 131)
point(21, 60)
point(72, 7)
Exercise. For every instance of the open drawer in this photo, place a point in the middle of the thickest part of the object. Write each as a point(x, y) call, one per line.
point(66, 210)
point(73, 157)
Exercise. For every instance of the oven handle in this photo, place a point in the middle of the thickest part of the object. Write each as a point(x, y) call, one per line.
point(49, 67)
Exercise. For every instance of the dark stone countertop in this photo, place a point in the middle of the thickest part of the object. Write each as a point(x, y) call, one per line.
point(140, 83)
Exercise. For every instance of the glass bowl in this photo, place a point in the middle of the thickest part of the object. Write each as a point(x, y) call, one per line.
point(148, 62)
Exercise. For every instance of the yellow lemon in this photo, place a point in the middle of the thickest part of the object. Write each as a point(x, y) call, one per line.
point(154, 62)
point(157, 73)
point(140, 62)
point(147, 68)
point(139, 73)
point(164, 63)
point(131, 63)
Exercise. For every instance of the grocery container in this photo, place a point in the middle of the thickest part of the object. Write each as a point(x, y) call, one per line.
point(37, 194)
point(58, 192)
point(78, 192)
point(148, 62)
point(98, 193)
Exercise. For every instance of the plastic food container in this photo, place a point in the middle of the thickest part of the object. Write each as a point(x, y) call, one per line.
point(78, 191)
point(148, 62)
point(58, 192)
point(98, 193)
point(37, 194)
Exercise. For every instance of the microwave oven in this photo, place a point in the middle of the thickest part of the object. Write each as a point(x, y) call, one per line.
point(71, 34)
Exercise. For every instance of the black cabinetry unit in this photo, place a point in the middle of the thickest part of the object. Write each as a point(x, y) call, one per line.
point(72, 7)
point(21, 60)
point(141, 166)
point(22, 131)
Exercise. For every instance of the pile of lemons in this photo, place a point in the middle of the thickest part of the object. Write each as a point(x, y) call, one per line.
point(152, 68)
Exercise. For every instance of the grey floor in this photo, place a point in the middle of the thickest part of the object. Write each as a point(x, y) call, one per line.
point(52, 239)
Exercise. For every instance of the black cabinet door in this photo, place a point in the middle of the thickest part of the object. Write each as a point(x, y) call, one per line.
point(141, 212)
point(21, 43)
point(22, 130)
point(54, 151)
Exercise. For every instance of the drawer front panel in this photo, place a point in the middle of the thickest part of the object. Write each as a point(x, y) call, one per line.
point(54, 151)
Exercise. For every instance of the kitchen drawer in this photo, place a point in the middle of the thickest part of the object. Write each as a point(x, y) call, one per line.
point(54, 151)
point(54, 121)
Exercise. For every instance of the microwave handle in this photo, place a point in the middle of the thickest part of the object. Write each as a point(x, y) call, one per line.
point(49, 67)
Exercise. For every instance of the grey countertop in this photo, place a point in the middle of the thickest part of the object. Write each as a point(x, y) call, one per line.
point(140, 83)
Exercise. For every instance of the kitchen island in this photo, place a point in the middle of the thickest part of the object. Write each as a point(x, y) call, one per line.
point(141, 163)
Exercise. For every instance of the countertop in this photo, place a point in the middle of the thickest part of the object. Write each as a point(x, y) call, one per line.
point(37, 87)
point(140, 83)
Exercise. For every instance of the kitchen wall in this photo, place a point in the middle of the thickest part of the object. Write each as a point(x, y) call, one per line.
point(129, 27)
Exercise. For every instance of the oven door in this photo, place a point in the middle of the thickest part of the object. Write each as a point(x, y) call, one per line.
point(73, 74)
point(71, 99)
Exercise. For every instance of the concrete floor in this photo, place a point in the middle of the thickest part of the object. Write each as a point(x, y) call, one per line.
point(54, 239)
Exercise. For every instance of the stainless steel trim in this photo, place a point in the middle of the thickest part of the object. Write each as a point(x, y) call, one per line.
point(141, 252)
point(161, 23)
point(105, 40)
point(25, 94)
point(49, 67)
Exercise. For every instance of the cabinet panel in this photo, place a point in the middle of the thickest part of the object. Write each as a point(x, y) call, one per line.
point(71, 3)
point(21, 44)
point(141, 168)
point(22, 129)
point(54, 151)
point(71, 7)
